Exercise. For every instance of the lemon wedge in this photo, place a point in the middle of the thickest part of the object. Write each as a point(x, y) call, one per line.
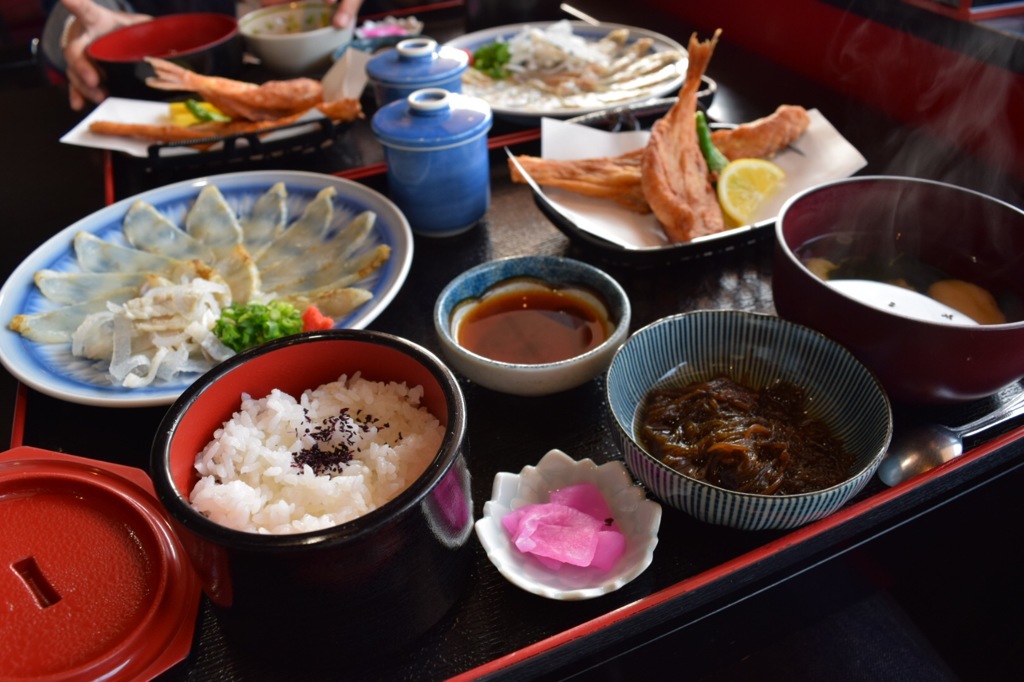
point(744, 184)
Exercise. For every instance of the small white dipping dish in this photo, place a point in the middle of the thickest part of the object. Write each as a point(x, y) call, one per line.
point(638, 518)
point(542, 378)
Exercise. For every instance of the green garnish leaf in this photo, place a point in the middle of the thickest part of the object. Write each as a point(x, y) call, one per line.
point(245, 326)
point(492, 58)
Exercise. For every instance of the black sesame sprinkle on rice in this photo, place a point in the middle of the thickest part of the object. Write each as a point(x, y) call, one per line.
point(333, 442)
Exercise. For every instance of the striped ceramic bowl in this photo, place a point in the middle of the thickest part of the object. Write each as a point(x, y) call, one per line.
point(756, 350)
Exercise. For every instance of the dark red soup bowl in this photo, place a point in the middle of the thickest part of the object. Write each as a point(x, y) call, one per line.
point(357, 588)
point(914, 234)
point(204, 42)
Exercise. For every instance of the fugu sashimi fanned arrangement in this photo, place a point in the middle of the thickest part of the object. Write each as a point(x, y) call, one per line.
point(154, 304)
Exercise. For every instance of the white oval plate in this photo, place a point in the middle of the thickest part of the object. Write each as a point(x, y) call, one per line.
point(51, 369)
point(472, 41)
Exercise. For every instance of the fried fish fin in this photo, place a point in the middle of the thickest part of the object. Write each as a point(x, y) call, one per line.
point(616, 178)
point(674, 173)
point(342, 110)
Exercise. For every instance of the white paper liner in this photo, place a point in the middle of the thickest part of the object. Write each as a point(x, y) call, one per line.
point(821, 154)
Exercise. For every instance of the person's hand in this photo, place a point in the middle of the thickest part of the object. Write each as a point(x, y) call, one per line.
point(346, 13)
point(344, 16)
point(90, 22)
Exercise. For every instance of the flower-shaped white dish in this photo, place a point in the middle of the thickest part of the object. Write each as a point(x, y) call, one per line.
point(637, 517)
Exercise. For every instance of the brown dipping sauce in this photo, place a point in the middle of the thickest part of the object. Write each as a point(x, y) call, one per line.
point(741, 439)
point(526, 321)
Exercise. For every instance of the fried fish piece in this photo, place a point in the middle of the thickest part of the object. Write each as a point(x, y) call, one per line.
point(674, 174)
point(613, 177)
point(175, 133)
point(765, 137)
point(342, 110)
point(239, 99)
point(148, 131)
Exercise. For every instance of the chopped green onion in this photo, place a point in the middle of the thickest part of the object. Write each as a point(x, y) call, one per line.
point(492, 58)
point(245, 326)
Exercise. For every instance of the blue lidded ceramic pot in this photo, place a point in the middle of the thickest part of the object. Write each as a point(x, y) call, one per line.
point(414, 64)
point(435, 146)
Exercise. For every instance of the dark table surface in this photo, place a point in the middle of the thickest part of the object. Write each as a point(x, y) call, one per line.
point(697, 568)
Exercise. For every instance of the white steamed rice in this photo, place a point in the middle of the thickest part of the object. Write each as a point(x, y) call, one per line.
point(250, 479)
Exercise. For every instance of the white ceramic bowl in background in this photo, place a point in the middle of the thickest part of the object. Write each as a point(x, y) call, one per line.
point(637, 517)
point(532, 379)
point(756, 350)
point(294, 39)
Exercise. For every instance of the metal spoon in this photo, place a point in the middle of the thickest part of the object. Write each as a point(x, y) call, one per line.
point(926, 447)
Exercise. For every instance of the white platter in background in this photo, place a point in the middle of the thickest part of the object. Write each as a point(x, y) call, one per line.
point(583, 104)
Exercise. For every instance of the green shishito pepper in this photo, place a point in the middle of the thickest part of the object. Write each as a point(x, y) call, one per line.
point(491, 59)
point(203, 114)
point(245, 326)
point(716, 159)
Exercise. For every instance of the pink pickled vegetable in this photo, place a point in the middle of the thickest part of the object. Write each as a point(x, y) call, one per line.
point(585, 497)
point(574, 527)
point(558, 532)
point(611, 544)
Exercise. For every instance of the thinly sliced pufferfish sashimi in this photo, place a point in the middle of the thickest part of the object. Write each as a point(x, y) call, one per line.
point(313, 264)
point(212, 221)
point(238, 268)
point(56, 326)
point(331, 302)
point(96, 255)
point(304, 234)
point(333, 252)
point(343, 275)
point(71, 288)
point(147, 229)
point(267, 219)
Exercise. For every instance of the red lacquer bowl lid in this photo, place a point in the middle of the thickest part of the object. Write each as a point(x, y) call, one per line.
point(94, 584)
